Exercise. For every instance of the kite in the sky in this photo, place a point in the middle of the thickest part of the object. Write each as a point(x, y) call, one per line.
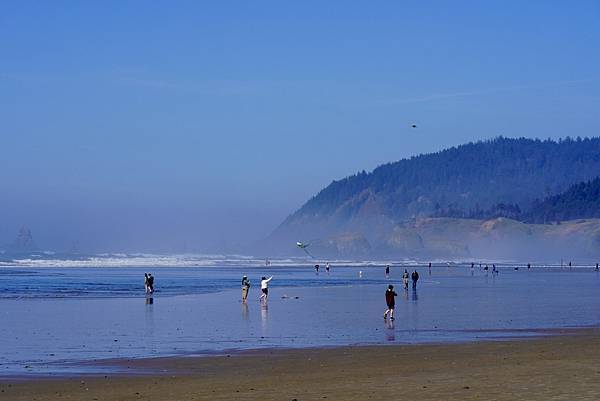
point(303, 246)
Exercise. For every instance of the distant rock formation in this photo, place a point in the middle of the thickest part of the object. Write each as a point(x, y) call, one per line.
point(24, 241)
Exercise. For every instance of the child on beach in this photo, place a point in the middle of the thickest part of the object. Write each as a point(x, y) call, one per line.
point(264, 286)
point(390, 300)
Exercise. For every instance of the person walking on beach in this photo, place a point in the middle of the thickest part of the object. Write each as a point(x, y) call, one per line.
point(150, 283)
point(264, 287)
point(327, 267)
point(596, 266)
point(405, 279)
point(415, 278)
point(245, 288)
point(387, 271)
point(146, 282)
point(317, 269)
point(390, 300)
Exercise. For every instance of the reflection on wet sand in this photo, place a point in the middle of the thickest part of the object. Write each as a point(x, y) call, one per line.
point(264, 315)
point(245, 313)
point(390, 332)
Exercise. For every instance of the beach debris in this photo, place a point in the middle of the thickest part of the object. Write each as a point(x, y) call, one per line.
point(285, 296)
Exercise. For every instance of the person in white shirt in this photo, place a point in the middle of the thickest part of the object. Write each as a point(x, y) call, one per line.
point(264, 286)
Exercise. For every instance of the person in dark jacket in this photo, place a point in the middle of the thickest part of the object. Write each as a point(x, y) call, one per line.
point(415, 278)
point(390, 300)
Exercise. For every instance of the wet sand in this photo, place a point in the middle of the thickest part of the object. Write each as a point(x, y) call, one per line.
point(564, 367)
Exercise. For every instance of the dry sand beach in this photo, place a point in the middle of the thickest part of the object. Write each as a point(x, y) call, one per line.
point(562, 367)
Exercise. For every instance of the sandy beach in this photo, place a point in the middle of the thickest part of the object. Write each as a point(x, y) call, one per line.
point(565, 367)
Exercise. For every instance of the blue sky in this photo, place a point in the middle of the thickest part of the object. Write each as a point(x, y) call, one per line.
point(149, 125)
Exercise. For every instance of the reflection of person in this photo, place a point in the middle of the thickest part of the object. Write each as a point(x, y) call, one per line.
point(405, 279)
point(264, 287)
point(245, 288)
point(245, 314)
point(415, 278)
point(390, 300)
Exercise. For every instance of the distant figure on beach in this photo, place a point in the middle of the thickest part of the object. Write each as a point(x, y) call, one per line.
point(146, 282)
point(486, 268)
point(317, 269)
point(360, 274)
point(415, 278)
point(405, 279)
point(387, 271)
point(150, 283)
point(390, 300)
point(472, 269)
point(570, 266)
point(528, 266)
point(596, 266)
point(264, 287)
point(494, 271)
point(327, 267)
point(430, 268)
point(245, 288)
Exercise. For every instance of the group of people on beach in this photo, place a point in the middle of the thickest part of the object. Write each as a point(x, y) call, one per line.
point(327, 268)
point(390, 294)
point(264, 288)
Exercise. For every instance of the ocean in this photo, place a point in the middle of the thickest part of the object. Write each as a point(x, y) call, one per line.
point(63, 316)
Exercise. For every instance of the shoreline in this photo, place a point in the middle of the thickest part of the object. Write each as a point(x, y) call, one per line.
point(155, 365)
point(563, 365)
point(158, 365)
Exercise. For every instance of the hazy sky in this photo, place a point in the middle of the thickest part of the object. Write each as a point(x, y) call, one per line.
point(144, 125)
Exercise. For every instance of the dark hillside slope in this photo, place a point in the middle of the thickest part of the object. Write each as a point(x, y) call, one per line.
point(580, 201)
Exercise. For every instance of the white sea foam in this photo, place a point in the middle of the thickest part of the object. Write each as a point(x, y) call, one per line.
point(216, 260)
